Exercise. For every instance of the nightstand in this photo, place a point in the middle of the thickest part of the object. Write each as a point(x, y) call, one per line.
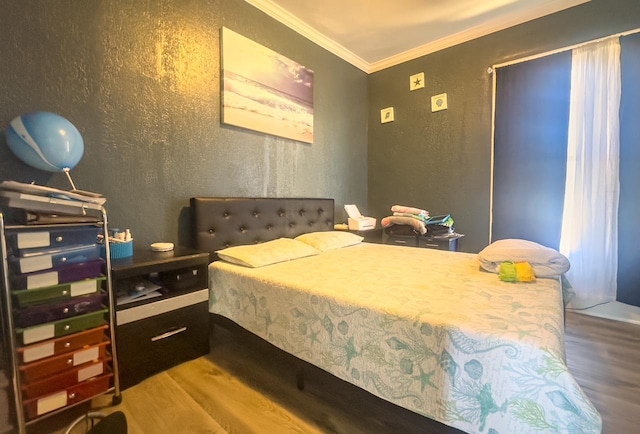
point(440, 242)
point(169, 325)
point(370, 236)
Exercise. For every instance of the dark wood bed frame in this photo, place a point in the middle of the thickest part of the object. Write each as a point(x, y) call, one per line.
point(220, 222)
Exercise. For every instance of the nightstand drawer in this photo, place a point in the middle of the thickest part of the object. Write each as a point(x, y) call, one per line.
point(149, 346)
point(402, 240)
point(440, 242)
point(137, 313)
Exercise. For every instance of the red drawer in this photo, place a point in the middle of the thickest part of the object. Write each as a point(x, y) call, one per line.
point(65, 379)
point(36, 407)
point(62, 345)
point(54, 365)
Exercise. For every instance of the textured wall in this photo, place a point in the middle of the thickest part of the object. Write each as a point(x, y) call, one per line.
point(442, 161)
point(141, 81)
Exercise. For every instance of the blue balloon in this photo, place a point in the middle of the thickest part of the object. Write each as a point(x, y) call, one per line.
point(46, 141)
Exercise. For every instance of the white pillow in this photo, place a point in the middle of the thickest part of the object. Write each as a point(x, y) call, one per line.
point(267, 253)
point(330, 240)
point(546, 262)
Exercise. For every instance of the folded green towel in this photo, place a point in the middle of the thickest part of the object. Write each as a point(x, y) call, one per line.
point(508, 272)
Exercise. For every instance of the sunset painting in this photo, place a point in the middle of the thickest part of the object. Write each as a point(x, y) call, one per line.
point(264, 91)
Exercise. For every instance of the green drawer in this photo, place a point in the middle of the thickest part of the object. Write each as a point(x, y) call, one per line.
point(29, 297)
point(62, 327)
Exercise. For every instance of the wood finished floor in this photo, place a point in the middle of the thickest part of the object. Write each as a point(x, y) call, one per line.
point(243, 386)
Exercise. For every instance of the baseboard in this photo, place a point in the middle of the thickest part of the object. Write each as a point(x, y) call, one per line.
point(613, 310)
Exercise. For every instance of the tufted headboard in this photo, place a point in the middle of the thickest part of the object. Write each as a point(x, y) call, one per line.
point(219, 222)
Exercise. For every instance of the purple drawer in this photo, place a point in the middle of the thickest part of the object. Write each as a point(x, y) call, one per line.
point(44, 313)
point(59, 275)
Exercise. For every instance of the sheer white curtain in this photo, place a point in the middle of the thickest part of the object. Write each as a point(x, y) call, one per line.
point(589, 236)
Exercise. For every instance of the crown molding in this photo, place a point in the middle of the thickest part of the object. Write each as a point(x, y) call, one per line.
point(475, 32)
point(541, 9)
point(283, 16)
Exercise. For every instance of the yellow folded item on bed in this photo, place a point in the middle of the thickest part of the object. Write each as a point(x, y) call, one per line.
point(516, 272)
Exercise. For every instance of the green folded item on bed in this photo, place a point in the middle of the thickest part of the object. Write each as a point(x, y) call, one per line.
point(508, 272)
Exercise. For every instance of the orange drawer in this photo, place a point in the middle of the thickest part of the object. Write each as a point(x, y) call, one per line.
point(54, 365)
point(65, 379)
point(36, 407)
point(61, 345)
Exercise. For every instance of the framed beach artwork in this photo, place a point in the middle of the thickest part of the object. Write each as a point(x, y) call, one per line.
point(264, 91)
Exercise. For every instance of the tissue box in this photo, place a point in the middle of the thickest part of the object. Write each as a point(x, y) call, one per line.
point(118, 250)
point(362, 223)
point(358, 222)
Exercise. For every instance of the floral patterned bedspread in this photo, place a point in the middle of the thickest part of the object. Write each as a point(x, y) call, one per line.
point(422, 328)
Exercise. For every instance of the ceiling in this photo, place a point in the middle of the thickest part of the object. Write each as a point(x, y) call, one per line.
point(376, 34)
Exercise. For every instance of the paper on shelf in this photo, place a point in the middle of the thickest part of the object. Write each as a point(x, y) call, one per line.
point(42, 190)
point(139, 289)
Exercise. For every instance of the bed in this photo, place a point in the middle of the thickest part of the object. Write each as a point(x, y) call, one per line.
point(424, 329)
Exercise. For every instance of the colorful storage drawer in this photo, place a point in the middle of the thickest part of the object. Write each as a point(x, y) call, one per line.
point(64, 380)
point(56, 297)
point(62, 345)
point(62, 327)
point(68, 308)
point(45, 259)
point(30, 297)
point(21, 242)
point(57, 364)
point(75, 394)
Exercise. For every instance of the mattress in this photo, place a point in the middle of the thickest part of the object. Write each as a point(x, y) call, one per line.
point(424, 329)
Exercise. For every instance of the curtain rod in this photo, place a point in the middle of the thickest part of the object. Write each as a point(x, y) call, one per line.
point(560, 50)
